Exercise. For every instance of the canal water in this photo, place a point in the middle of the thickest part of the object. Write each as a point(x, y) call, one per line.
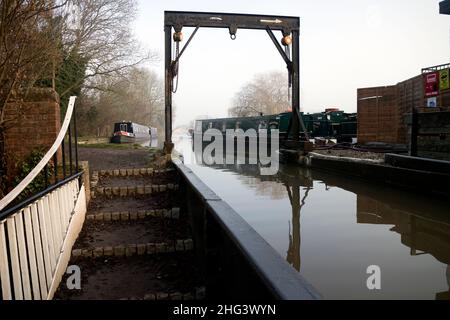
point(331, 228)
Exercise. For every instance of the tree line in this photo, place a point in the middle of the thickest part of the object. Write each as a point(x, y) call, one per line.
point(267, 93)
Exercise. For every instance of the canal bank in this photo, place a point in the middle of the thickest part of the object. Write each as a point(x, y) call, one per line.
point(420, 175)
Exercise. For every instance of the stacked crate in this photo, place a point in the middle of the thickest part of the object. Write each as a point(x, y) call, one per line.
point(378, 115)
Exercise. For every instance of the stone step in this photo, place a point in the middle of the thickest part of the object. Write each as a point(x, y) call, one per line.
point(130, 250)
point(133, 190)
point(173, 213)
point(96, 175)
point(134, 181)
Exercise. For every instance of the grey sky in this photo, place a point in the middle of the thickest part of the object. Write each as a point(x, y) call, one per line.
point(344, 45)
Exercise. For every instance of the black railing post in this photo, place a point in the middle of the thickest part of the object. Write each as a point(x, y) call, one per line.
point(55, 163)
point(76, 136)
point(63, 151)
point(70, 149)
point(46, 176)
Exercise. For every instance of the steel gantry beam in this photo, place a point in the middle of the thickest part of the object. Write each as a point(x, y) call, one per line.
point(177, 20)
point(444, 7)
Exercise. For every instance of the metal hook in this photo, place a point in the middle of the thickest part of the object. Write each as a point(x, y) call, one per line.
point(233, 29)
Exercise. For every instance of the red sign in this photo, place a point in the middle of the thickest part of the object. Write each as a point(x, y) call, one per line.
point(431, 84)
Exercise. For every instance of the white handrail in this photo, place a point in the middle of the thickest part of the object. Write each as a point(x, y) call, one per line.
point(30, 177)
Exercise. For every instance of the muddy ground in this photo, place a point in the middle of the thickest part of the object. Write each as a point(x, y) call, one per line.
point(107, 159)
point(133, 277)
point(148, 202)
point(129, 181)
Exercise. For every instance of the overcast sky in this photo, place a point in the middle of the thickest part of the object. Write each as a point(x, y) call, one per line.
point(344, 45)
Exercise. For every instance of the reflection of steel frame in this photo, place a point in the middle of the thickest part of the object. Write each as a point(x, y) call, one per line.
point(287, 25)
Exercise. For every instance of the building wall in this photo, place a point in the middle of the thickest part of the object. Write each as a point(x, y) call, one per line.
point(36, 124)
point(383, 119)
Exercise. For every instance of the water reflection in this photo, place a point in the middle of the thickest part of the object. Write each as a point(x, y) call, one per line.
point(338, 226)
point(153, 143)
point(423, 233)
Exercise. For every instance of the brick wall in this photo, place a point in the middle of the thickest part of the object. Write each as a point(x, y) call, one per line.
point(36, 124)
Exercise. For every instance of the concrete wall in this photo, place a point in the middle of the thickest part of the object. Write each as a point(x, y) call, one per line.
point(36, 124)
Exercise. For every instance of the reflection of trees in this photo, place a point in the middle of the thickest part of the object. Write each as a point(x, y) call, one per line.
point(274, 191)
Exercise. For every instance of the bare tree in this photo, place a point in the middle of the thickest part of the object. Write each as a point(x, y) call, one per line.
point(65, 44)
point(27, 50)
point(138, 97)
point(99, 32)
point(267, 93)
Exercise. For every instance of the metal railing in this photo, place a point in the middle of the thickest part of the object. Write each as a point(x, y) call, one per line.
point(436, 68)
point(33, 231)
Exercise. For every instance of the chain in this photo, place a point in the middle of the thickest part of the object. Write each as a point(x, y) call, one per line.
point(288, 54)
point(176, 67)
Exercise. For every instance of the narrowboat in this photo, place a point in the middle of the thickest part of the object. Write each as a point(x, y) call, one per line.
point(331, 124)
point(130, 132)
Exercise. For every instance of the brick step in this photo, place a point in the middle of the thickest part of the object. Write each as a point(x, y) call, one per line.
point(133, 190)
point(195, 294)
point(173, 213)
point(130, 250)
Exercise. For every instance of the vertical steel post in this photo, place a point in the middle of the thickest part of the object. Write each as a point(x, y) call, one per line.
point(168, 145)
point(295, 85)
